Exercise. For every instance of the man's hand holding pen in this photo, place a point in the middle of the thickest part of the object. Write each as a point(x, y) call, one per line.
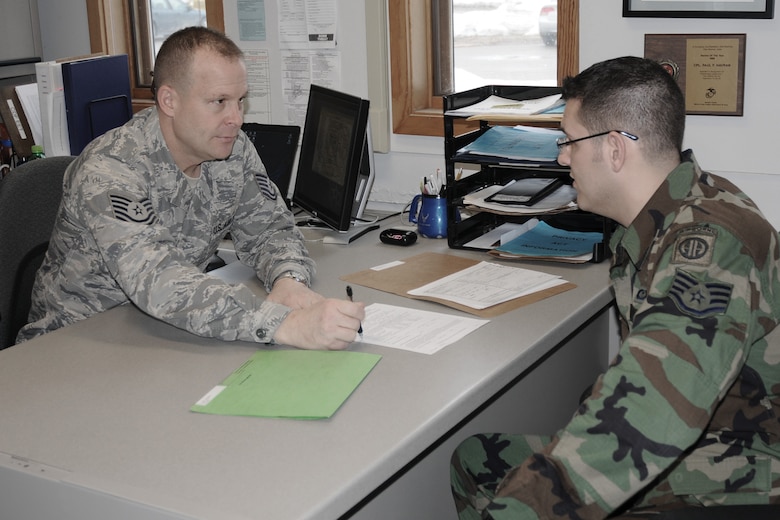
point(326, 324)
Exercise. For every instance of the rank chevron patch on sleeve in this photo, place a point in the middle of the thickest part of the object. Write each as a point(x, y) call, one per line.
point(129, 210)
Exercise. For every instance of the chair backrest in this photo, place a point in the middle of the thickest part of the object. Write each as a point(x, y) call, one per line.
point(276, 145)
point(29, 200)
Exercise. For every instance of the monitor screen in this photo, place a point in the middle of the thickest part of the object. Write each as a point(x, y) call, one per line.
point(335, 169)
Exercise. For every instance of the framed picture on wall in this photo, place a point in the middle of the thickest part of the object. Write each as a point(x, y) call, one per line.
point(699, 9)
point(710, 69)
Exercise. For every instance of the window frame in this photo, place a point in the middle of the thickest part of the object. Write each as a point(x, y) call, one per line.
point(110, 32)
point(415, 108)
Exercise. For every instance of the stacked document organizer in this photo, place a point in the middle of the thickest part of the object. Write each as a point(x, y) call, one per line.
point(502, 172)
point(81, 99)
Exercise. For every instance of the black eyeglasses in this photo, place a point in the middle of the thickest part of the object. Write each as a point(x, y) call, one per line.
point(564, 141)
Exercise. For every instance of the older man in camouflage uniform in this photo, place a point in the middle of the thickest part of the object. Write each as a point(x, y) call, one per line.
point(688, 412)
point(146, 205)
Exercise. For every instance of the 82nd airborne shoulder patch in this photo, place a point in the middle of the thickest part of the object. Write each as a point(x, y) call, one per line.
point(695, 246)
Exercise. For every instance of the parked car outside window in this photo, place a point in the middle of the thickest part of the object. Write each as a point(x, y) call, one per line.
point(548, 24)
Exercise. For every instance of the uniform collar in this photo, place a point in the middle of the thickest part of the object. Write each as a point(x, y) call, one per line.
point(634, 241)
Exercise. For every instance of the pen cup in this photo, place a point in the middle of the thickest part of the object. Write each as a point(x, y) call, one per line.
point(429, 212)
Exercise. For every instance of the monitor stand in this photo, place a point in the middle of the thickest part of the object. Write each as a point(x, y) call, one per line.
point(347, 237)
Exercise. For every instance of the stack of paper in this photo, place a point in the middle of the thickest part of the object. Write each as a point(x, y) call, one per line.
point(461, 283)
point(497, 108)
point(544, 242)
point(486, 284)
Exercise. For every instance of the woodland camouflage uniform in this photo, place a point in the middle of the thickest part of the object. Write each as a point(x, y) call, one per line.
point(131, 228)
point(689, 410)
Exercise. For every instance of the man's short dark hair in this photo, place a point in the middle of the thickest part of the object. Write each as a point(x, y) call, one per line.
point(633, 94)
point(174, 59)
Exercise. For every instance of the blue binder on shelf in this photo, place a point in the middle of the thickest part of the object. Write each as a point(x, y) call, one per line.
point(97, 97)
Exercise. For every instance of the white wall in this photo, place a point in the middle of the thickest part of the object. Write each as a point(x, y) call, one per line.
point(64, 28)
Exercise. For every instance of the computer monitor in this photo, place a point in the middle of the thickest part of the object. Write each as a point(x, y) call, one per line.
point(277, 146)
point(336, 166)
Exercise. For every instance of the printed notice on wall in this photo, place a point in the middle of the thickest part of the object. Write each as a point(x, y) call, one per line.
point(307, 24)
point(258, 109)
point(251, 20)
point(302, 68)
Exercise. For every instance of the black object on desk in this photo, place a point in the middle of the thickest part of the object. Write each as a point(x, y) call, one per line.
point(398, 237)
point(526, 192)
point(349, 295)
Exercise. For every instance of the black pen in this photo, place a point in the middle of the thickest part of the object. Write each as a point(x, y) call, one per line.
point(349, 295)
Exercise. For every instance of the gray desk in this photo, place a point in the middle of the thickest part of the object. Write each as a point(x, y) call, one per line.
point(94, 419)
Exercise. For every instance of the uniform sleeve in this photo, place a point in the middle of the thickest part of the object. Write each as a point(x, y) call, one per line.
point(263, 230)
point(143, 259)
point(687, 344)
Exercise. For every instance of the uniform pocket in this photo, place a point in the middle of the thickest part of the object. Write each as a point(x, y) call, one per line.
point(728, 480)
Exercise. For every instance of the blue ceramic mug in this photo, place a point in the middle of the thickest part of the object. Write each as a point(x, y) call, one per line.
point(429, 212)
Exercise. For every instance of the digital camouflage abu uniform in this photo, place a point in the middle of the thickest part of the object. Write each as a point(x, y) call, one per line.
point(132, 227)
point(688, 411)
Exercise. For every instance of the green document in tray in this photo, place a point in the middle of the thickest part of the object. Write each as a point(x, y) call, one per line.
point(300, 384)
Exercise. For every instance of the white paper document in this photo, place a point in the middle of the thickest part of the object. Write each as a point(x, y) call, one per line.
point(486, 284)
point(505, 106)
point(28, 97)
point(419, 331)
point(501, 234)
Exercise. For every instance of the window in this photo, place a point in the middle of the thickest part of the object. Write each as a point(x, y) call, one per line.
point(416, 107)
point(498, 42)
point(138, 27)
point(153, 22)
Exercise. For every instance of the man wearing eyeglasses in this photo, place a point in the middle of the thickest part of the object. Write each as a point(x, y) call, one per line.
point(688, 413)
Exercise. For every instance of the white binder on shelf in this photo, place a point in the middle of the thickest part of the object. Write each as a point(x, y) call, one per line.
point(54, 118)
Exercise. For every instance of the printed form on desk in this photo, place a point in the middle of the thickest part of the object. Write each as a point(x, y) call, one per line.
point(419, 331)
point(486, 284)
point(445, 279)
point(424, 332)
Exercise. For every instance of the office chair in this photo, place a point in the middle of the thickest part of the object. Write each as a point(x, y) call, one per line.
point(29, 199)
